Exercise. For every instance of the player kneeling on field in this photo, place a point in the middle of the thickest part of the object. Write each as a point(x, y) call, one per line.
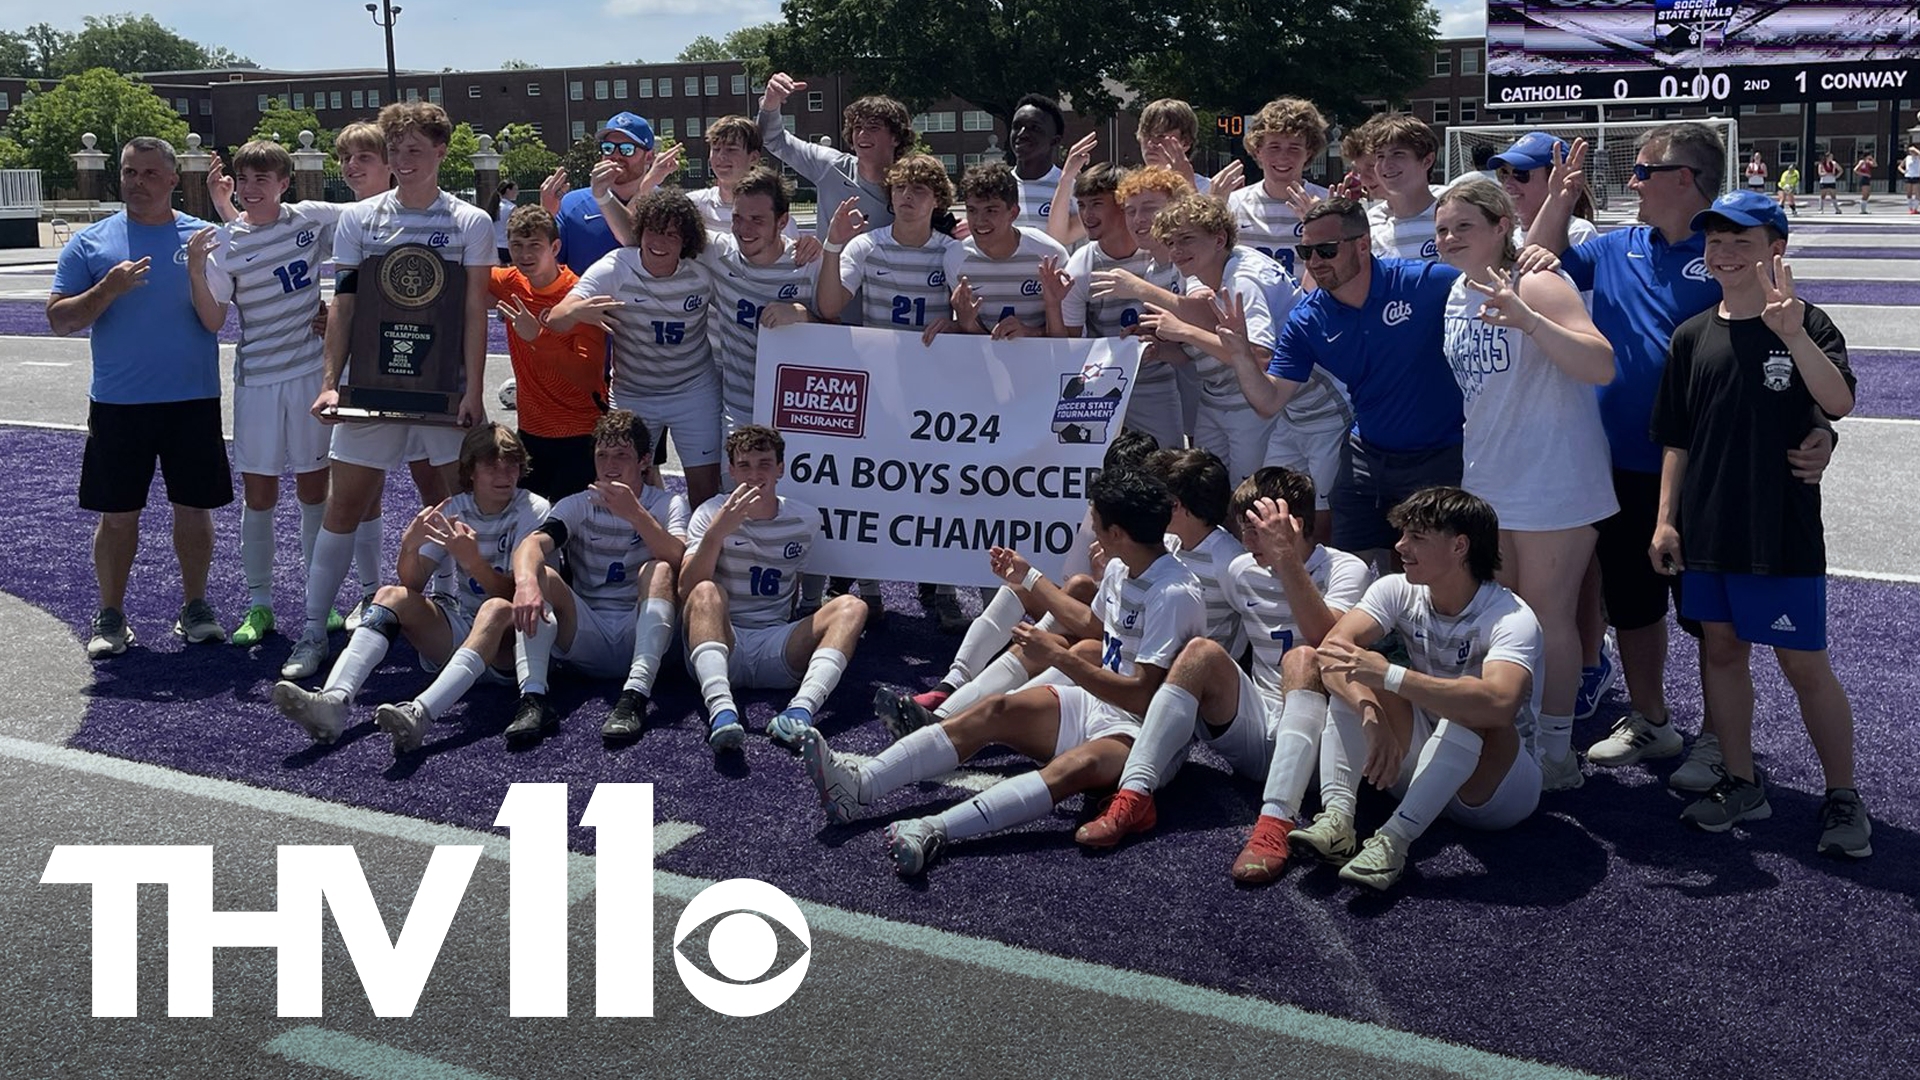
point(1148, 606)
point(745, 552)
point(1475, 651)
point(624, 542)
point(1288, 591)
point(474, 531)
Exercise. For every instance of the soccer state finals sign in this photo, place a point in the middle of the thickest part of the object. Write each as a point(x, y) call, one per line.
point(922, 457)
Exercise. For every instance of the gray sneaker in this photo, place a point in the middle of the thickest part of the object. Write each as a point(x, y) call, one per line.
point(1636, 738)
point(1730, 801)
point(307, 656)
point(1330, 838)
point(322, 715)
point(1701, 770)
point(198, 624)
point(111, 634)
point(1561, 774)
point(1845, 829)
point(407, 722)
point(915, 843)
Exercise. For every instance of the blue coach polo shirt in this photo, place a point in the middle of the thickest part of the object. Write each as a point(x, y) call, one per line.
point(148, 345)
point(1387, 351)
point(1643, 287)
point(584, 234)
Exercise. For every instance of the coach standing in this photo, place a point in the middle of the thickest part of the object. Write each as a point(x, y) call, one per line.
point(155, 393)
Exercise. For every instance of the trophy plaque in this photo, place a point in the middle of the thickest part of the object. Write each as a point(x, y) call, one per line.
point(405, 357)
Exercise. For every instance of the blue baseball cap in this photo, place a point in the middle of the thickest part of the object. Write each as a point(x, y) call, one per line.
point(1745, 209)
point(631, 125)
point(1535, 150)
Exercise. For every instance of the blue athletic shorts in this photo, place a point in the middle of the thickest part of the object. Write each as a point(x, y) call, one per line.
point(1784, 612)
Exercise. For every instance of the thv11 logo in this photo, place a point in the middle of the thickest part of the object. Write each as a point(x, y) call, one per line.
point(742, 917)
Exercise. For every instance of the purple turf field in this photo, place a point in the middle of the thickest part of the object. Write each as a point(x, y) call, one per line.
point(1598, 935)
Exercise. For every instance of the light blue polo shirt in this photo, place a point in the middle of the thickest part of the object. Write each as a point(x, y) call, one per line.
point(148, 345)
point(1643, 288)
point(1388, 352)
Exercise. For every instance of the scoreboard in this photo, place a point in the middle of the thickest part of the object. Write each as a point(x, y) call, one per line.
point(1725, 52)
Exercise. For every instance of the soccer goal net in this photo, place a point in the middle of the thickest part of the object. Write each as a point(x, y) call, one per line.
point(1611, 149)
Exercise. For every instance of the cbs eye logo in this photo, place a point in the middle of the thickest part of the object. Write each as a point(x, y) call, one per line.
point(736, 927)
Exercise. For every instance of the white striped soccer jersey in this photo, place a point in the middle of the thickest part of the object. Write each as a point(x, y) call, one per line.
point(900, 287)
point(741, 290)
point(1260, 602)
point(1008, 287)
point(495, 534)
point(1208, 561)
point(660, 329)
point(759, 564)
point(604, 550)
point(271, 274)
point(1150, 618)
point(1269, 225)
point(1036, 199)
point(1495, 625)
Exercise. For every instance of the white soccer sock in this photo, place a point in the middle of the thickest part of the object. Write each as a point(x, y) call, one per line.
point(922, 755)
point(364, 651)
point(332, 554)
point(987, 635)
point(652, 633)
point(1343, 749)
point(366, 555)
point(533, 655)
point(1048, 623)
point(311, 515)
point(452, 683)
point(1165, 731)
point(1295, 747)
point(709, 659)
point(1001, 676)
point(1555, 738)
point(1013, 801)
point(823, 674)
point(256, 555)
point(1446, 761)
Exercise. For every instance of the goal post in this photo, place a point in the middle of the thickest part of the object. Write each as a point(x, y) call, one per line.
point(1612, 147)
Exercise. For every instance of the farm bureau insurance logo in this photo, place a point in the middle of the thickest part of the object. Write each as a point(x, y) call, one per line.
point(820, 401)
point(742, 919)
point(1088, 400)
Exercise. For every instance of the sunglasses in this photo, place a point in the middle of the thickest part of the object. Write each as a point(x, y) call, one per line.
point(1518, 176)
point(624, 149)
point(1641, 171)
point(1304, 252)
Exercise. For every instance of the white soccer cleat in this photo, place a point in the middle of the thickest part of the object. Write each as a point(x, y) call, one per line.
point(406, 722)
point(915, 843)
point(836, 781)
point(322, 715)
point(1378, 865)
point(1330, 838)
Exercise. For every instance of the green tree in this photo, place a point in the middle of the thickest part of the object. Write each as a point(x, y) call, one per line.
point(46, 128)
point(748, 44)
point(1381, 49)
point(16, 57)
point(33, 53)
point(456, 172)
point(284, 125)
point(138, 43)
point(702, 49)
point(524, 157)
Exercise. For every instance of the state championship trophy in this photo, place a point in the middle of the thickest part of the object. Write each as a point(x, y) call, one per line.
point(406, 355)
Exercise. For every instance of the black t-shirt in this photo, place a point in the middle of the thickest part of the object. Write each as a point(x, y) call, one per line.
point(1732, 398)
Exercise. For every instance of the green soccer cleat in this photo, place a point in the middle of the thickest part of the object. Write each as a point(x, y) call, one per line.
point(258, 624)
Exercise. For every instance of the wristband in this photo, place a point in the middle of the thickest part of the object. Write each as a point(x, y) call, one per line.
point(832, 248)
point(1391, 683)
point(1034, 577)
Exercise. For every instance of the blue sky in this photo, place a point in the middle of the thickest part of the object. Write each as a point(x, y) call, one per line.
point(473, 34)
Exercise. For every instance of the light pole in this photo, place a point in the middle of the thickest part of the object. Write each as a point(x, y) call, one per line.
point(390, 10)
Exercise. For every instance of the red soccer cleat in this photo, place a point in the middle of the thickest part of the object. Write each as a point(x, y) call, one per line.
point(932, 699)
point(1265, 855)
point(1128, 812)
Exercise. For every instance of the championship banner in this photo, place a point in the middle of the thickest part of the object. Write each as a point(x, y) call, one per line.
point(922, 457)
